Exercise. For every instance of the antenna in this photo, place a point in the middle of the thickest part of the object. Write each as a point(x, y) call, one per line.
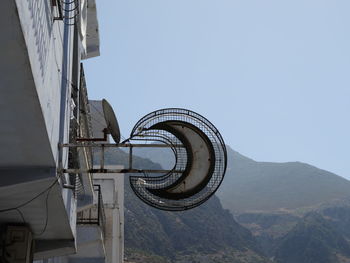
point(199, 150)
point(111, 121)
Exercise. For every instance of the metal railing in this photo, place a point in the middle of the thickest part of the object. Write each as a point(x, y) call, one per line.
point(80, 126)
point(94, 215)
point(85, 128)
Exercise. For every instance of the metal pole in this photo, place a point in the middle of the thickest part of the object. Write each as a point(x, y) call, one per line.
point(130, 158)
point(102, 157)
point(72, 145)
point(121, 171)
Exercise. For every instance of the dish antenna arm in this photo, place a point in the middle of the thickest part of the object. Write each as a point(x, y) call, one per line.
point(104, 139)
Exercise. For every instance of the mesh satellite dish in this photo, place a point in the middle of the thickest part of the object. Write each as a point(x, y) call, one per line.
point(200, 159)
point(198, 148)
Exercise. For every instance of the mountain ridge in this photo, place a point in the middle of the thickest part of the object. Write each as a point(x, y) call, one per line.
point(269, 186)
point(282, 204)
point(251, 185)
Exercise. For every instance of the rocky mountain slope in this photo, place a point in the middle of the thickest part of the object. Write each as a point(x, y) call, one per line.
point(201, 234)
point(205, 234)
point(297, 213)
point(313, 240)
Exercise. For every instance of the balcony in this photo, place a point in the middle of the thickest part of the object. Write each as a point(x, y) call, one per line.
point(80, 127)
point(94, 215)
point(91, 231)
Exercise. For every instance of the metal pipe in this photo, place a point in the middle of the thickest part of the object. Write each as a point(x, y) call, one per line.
point(122, 145)
point(102, 157)
point(121, 171)
point(94, 139)
point(130, 158)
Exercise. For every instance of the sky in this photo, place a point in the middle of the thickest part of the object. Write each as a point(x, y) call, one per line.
point(273, 76)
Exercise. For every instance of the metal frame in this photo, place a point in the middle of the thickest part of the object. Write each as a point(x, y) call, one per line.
point(102, 169)
point(152, 128)
point(146, 130)
point(59, 6)
point(94, 218)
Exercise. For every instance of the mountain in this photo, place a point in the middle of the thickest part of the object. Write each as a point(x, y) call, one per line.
point(268, 228)
point(267, 186)
point(313, 240)
point(288, 237)
point(203, 233)
point(207, 233)
point(338, 215)
point(274, 201)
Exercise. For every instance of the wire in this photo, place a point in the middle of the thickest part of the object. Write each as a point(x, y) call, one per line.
point(98, 121)
point(47, 214)
point(30, 200)
point(123, 138)
point(126, 140)
point(21, 214)
point(17, 208)
point(98, 111)
point(144, 173)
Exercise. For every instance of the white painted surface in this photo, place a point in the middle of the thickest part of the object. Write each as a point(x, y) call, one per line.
point(22, 129)
point(30, 81)
point(44, 42)
point(112, 186)
point(33, 70)
point(92, 39)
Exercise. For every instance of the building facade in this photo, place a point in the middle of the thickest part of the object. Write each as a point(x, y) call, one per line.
point(44, 105)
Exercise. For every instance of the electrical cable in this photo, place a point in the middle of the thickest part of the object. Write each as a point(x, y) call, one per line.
point(21, 214)
point(126, 140)
point(144, 173)
point(47, 214)
point(123, 138)
point(17, 208)
point(98, 111)
point(30, 200)
point(99, 122)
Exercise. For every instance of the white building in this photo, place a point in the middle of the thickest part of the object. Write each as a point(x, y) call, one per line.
point(44, 104)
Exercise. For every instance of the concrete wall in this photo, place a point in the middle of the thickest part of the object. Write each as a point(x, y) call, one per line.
point(50, 50)
point(38, 58)
point(35, 83)
point(22, 129)
point(112, 186)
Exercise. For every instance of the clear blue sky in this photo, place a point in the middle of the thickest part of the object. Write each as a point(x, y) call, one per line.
point(272, 75)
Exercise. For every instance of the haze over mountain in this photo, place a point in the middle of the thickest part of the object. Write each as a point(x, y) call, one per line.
point(267, 186)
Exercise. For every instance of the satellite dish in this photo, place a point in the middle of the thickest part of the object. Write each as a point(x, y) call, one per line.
point(200, 159)
point(111, 121)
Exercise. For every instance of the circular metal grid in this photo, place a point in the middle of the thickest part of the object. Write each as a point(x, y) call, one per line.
point(147, 129)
